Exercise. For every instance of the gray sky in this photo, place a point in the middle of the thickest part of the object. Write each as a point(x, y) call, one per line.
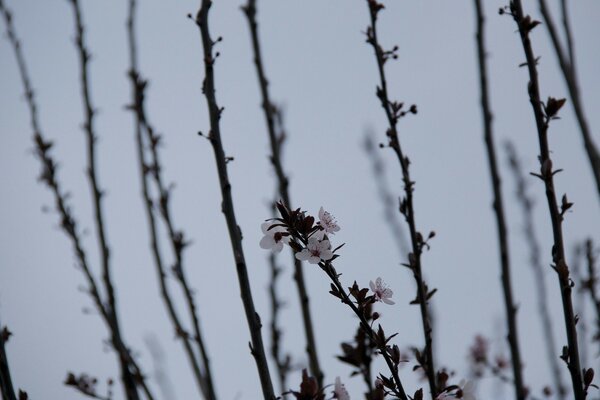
point(324, 74)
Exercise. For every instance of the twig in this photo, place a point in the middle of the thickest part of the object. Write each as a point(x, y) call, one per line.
point(6, 387)
point(566, 61)
point(542, 119)
point(580, 299)
point(88, 126)
point(276, 141)
point(394, 112)
point(203, 380)
point(526, 203)
point(388, 200)
point(68, 222)
point(282, 362)
point(498, 206)
point(235, 234)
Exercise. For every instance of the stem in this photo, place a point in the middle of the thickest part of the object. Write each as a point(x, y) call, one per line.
point(566, 62)
point(276, 141)
point(6, 387)
point(415, 236)
point(138, 86)
point(498, 206)
point(592, 280)
point(130, 371)
point(535, 262)
point(547, 175)
point(235, 236)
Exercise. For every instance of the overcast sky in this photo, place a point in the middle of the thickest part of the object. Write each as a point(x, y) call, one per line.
point(324, 75)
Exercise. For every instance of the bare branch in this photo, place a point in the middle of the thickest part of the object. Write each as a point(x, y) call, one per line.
point(214, 112)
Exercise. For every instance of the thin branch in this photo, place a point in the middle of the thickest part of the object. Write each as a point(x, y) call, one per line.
point(543, 114)
point(566, 61)
point(529, 233)
point(91, 138)
point(235, 234)
point(591, 282)
point(498, 206)
point(6, 387)
point(130, 371)
point(394, 111)
point(282, 362)
point(276, 141)
point(388, 200)
point(152, 168)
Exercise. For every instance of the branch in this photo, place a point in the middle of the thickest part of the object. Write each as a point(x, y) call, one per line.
point(276, 141)
point(130, 371)
point(526, 203)
point(542, 119)
point(498, 206)
point(591, 281)
point(203, 380)
point(6, 386)
point(566, 61)
point(394, 111)
point(235, 235)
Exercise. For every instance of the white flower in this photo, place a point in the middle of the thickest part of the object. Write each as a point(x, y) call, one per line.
point(339, 390)
point(328, 222)
point(315, 251)
point(468, 390)
point(381, 291)
point(444, 396)
point(274, 238)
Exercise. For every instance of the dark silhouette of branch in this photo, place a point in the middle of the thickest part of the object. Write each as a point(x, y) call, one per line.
point(388, 200)
point(282, 361)
point(214, 136)
point(566, 61)
point(590, 284)
point(6, 386)
point(394, 111)
point(130, 371)
point(498, 206)
point(544, 113)
point(526, 203)
point(153, 168)
point(276, 140)
point(580, 298)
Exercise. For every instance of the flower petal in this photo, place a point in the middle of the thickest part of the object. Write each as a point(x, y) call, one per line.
point(267, 242)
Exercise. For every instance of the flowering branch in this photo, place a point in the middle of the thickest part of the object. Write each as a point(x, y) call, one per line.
point(276, 140)
point(566, 61)
point(130, 371)
point(544, 113)
point(498, 205)
point(235, 235)
point(394, 111)
point(310, 243)
point(526, 203)
point(152, 168)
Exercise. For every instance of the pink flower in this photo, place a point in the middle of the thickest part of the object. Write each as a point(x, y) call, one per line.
point(274, 238)
point(381, 291)
point(315, 251)
point(328, 222)
point(339, 390)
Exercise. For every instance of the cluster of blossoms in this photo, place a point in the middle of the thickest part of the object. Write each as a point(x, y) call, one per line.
point(310, 241)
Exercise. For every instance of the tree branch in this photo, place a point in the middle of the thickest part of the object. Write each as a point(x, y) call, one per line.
point(276, 141)
point(542, 119)
point(235, 235)
point(498, 206)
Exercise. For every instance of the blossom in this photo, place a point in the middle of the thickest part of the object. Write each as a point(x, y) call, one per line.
point(339, 390)
point(381, 291)
point(444, 396)
point(328, 222)
point(467, 390)
point(315, 251)
point(274, 239)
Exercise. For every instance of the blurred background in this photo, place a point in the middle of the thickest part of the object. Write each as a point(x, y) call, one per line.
point(323, 75)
